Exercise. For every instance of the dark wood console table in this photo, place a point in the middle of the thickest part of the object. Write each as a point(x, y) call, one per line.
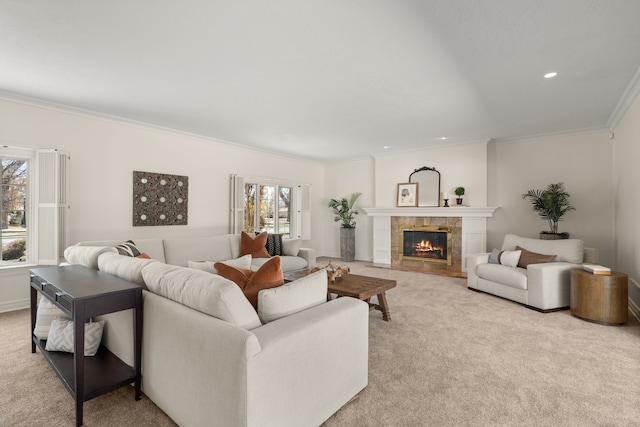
point(83, 293)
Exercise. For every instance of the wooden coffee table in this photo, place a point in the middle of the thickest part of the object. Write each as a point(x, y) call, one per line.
point(356, 286)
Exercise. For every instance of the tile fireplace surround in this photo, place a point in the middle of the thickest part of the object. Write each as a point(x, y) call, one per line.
point(468, 225)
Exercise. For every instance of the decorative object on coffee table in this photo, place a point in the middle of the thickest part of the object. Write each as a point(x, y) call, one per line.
point(551, 204)
point(344, 212)
point(333, 271)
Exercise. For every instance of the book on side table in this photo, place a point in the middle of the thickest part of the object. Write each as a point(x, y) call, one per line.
point(596, 269)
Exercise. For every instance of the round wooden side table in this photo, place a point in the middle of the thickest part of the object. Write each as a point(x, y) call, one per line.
point(599, 298)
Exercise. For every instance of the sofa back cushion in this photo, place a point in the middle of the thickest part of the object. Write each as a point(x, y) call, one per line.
point(292, 297)
point(152, 247)
point(125, 267)
point(208, 293)
point(566, 250)
point(86, 255)
point(179, 251)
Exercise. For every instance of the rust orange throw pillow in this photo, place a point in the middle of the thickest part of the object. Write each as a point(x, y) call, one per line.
point(143, 255)
point(268, 276)
point(254, 247)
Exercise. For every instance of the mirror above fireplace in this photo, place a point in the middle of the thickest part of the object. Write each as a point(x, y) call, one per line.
point(428, 180)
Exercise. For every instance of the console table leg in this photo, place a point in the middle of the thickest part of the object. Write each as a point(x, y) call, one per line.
point(34, 299)
point(138, 344)
point(78, 357)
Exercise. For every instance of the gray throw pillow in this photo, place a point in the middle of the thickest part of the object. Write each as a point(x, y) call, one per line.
point(494, 258)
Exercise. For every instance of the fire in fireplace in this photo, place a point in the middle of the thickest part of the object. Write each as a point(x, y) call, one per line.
point(427, 244)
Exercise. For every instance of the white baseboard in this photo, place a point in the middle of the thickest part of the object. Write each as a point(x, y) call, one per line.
point(634, 309)
point(14, 305)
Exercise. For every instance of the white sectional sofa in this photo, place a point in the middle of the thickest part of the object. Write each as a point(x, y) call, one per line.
point(540, 286)
point(209, 359)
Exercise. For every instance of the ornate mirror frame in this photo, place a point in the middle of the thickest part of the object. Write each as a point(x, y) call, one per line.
point(428, 180)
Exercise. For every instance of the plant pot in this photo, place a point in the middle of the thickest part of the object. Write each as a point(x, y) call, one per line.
point(347, 244)
point(459, 200)
point(547, 235)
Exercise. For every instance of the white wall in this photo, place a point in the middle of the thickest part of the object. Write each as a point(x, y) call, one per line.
point(626, 175)
point(342, 180)
point(582, 162)
point(377, 180)
point(459, 166)
point(104, 155)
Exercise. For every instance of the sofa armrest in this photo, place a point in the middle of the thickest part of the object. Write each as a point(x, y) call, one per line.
point(549, 284)
point(473, 260)
point(311, 363)
point(194, 365)
point(309, 255)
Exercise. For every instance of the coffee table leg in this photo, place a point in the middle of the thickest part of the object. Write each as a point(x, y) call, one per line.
point(382, 302)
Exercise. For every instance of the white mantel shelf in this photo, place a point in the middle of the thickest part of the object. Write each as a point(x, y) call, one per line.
point(464, 211)
point(474, 228)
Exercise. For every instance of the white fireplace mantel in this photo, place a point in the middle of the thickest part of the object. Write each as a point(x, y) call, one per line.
point(474, 228)
point(463, 211)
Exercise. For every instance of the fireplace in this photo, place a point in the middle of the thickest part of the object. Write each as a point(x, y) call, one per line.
point(427, 244)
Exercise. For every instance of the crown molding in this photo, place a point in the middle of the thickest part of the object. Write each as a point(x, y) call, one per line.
point(626, 100)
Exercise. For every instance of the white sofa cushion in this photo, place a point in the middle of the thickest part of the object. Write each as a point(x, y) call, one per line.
point(567, 250)
point(292, 297)
point(505, 275)
point(212, 248)
point(86, 255)
point(287, 263)
point(291, 247)
point(152, 247)
point(125, 267)
point(243, 262)
point(208, 293)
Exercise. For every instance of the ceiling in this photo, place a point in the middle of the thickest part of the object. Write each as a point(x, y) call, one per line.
point(328, 80)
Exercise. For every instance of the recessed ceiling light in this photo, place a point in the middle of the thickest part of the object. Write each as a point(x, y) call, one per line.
point(550, 75)
point(443, 138)
point(386, 146)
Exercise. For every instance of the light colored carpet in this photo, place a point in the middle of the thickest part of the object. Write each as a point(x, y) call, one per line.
point(449, 357)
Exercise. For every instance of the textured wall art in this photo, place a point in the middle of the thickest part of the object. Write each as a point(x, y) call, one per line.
point(159, 199)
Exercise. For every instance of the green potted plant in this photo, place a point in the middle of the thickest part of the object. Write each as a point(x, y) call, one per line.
point(459, 193)
point(551, 204)
point(344, 211)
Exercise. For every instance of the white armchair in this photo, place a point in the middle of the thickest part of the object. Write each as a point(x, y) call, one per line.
point(540, 286)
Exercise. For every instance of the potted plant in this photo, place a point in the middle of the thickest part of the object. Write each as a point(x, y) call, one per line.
point(551, 204)
point(459, 193)
point(344, 211)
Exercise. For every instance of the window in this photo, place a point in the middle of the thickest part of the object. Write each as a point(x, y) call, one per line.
point(13, 209)
point(267, 207)
point(33, 206)
point(262, 204)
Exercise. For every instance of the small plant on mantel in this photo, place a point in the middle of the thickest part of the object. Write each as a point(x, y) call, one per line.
point(459, 193)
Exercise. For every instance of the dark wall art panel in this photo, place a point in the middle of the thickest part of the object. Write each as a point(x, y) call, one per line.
point(159, 199)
